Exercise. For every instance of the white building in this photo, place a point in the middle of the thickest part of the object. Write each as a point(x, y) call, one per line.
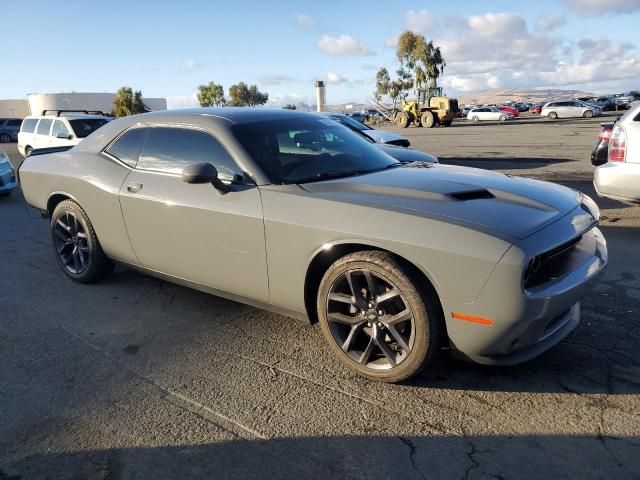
point(36, 103)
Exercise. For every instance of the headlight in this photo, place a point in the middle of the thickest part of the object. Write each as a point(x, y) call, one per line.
point(591, 206)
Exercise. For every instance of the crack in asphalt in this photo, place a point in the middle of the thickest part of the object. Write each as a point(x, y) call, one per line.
point(412, 455)
point(170, 393)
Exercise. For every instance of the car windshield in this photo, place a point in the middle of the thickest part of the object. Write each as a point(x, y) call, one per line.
point(353, 122)
point(301, 150)
point(85, 126)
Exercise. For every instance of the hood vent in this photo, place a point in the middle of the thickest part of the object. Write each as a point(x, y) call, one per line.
point(472, 195)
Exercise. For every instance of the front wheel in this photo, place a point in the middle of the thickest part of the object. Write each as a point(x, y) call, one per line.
point(475, 118)
point(76, 245)
point(402, 119)
point(503, 118)
point(5, 138)
point(378, 321)
point(553, 115)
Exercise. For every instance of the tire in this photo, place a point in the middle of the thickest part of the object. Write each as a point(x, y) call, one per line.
point(428, 120)
point(552, 115)
point(447, 123)
point(5, 138)
point(402, 119)
point(475, 118)
point(588, 114)
point(502, 118)
point(76, 245)
point(27, 151)
point(410, 343)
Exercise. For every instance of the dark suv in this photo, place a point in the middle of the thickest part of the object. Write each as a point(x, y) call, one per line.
point(9, 128)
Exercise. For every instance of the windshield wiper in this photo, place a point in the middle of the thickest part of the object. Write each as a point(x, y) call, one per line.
point(343, 173)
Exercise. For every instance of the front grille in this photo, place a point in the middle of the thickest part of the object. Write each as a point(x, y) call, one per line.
point(550, 265)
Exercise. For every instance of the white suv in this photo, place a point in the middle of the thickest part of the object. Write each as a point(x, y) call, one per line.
point(57, 130)
point(570, 109)
point(619, 178)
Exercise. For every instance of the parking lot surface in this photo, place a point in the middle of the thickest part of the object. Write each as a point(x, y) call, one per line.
point(138, 378)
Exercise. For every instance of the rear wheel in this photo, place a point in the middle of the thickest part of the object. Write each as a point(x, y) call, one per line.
point(475, 118)
point(588, 114)
point(402, 119)
point(376, 319)
point(427, 119)
point(76, 245)
point(552, 115)
point(5, 138)
point(503, 118)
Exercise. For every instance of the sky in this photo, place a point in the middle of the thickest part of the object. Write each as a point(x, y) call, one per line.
point(166, 49)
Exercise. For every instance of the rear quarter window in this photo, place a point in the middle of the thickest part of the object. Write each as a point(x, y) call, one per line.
point(29, 125)
point(127, 147)
point(44, 125)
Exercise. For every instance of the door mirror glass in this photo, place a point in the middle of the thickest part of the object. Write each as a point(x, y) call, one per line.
point(199, 173)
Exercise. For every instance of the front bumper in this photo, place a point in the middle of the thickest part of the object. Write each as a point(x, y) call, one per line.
point(618, 180)
point(527, 322)
point(7, 180)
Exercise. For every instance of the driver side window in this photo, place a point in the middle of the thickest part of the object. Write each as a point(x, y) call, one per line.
point(171, 149)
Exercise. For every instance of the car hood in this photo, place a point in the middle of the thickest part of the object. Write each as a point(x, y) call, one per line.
point(515, 206)
point(380, 136)
point(406, 154)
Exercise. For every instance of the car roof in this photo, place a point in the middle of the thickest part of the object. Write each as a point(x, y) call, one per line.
point(236, 115)
point(73, 116)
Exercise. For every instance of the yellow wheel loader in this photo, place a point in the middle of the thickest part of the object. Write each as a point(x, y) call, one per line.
point(429, 109)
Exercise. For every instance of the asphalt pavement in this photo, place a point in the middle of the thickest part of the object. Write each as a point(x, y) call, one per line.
point(136, 378)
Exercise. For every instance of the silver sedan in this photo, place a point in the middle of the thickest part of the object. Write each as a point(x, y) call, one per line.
point(295, 213)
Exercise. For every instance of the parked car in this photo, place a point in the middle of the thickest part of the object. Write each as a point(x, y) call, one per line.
point(402, 154)
point(9, 128)
point(57, 130)
point(619, 178)
point(600, 150)
point(378, 136)
point(606, 103)
point(570, 109)
point(509, 109)
point(359, 117)
point(7, 174)
point(522, 107)
point(624, 101)
point(488, 113)
point(536, 108)
point(393, 260)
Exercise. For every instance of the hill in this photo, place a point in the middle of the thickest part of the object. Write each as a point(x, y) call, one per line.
point(501, 95)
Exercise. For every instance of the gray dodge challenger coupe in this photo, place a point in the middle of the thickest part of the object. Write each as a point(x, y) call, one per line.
point(293, 212)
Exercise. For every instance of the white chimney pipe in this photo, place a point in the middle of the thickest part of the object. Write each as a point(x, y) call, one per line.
point(320, 95)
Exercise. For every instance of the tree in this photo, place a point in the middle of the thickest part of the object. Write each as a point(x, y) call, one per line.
point(128, 102)
point(396, 89)
point(289, 106)
point(242, 95)
point(420, 59)
point(211, 95)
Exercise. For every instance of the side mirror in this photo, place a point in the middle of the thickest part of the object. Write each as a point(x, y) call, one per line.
point(204, 173)
point(64, 136)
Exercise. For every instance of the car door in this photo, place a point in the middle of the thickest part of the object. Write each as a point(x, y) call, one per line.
point(60, 134)
point(41, 137)
point(191, 231)
point(574, 109)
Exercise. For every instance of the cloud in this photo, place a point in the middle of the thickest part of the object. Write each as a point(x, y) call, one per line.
point(342, 45)
point(548, 23)
point(191, 64)
point(589, 8)
point(183, 101)
point(369, 66)
point(283, 99)
point(420, 22)
point(392, 41)
point(305, 21)
point(335, 78)
point(275, 79)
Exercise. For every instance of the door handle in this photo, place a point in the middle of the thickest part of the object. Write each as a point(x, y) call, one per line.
point(134, 187)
